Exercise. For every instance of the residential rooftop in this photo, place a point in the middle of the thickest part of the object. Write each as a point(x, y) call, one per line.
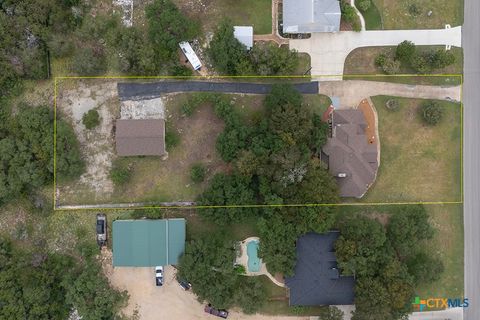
point(140, 137)
point(307, 16)
point(350, 156)
point(316, 280)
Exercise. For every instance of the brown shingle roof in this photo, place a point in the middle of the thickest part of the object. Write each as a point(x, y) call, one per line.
point(140, 137)
point(350, 153)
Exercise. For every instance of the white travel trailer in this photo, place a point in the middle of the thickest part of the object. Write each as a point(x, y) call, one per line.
point(191, 56)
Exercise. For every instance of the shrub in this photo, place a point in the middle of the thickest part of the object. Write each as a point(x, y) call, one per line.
point(381, 59)
point(172, 139)
point(239, 269)
point(147, 213)
point(197, 173)
point(364, 5)
point(405, 51)
point(89, 62)
point(91, 119)
point(392, 104)
point(432, 112)
point(414, 10)
point(179, 70)
point(391, 66)
point(120, 173)
point(420, 63)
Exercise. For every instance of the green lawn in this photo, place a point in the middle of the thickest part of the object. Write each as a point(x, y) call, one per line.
point(256, 13)
point(448, 245)
point(418, 162)
point(396, 14)
point(373, 18)
point(361, 62)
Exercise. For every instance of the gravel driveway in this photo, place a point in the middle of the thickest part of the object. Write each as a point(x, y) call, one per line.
point(168, 301)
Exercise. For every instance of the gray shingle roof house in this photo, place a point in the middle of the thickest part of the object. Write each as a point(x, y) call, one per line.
point(349, 155)
point(307, 16)
point(316, 280)
point(140, 137)
point(244, 34)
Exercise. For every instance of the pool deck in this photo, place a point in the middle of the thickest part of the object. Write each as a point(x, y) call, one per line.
point(243, 260)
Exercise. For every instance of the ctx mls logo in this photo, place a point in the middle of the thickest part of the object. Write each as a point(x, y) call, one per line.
point(439, 303)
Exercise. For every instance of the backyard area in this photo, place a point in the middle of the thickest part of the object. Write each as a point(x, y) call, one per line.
point(446, 244)
point(415, 14)
point(419, 162)
point(360, 64)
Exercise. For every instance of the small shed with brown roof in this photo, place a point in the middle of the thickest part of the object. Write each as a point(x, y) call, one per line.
point(140, 137)
point(351, 156)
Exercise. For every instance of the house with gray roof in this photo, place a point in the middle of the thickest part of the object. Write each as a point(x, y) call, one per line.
point(140, 137)
point(308, 16)
point(316, 280)
point(351, 158)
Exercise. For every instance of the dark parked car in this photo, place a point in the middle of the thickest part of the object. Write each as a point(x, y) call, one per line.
point(159, 276)
point(185, 285)
point(216, 312)
point(101, 229)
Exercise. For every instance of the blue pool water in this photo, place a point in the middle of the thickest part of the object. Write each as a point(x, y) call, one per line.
point(253, 260)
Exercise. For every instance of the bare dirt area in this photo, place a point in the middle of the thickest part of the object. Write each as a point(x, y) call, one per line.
point(97, 145)
point(167, 302)
point(152, 179)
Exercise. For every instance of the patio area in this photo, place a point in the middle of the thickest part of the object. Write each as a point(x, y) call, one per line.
point(248, 258)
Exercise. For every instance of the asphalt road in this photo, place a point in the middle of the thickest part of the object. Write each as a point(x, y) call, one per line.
point(471, 156)
point(151, 90)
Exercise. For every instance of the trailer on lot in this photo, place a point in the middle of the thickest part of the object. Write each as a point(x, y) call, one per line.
point(191, 55)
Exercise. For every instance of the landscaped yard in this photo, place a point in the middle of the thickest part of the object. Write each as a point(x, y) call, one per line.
point(418, 162)
point(414, 14)
point(256, 13)
point(446, 244)
point(361, 61)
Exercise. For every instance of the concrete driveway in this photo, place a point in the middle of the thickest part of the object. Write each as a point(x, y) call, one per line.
point(328, 51)
point(351, 92)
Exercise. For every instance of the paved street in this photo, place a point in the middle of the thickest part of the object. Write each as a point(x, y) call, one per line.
point(471, 99)
point(328, 51)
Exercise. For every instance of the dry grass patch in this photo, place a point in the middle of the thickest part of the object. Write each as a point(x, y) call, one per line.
point(396, 14)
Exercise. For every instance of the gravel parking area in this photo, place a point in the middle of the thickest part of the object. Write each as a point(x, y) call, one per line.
point(166, 302)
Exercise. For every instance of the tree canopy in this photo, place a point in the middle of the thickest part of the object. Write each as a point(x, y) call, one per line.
point(207, 265)
point(26, 157)
point(388, 262)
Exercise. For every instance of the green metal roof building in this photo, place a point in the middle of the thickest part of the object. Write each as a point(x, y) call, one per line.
point(148, 243)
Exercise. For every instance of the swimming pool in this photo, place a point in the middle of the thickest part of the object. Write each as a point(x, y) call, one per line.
point(253, 260)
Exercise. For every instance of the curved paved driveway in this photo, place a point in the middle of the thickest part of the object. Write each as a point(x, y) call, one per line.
point(351, 92)
point(328, 51)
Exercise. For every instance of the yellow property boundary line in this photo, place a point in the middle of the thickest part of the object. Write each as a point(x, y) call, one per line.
point(309, 77)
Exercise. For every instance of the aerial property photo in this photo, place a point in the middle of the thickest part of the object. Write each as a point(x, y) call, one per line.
point(267, 159)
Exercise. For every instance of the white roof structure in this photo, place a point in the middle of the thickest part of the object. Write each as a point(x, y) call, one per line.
point(191, 55)
point(307, 16)
point(244, 34)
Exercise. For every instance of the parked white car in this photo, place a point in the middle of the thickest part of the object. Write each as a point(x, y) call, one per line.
point(159, 276)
